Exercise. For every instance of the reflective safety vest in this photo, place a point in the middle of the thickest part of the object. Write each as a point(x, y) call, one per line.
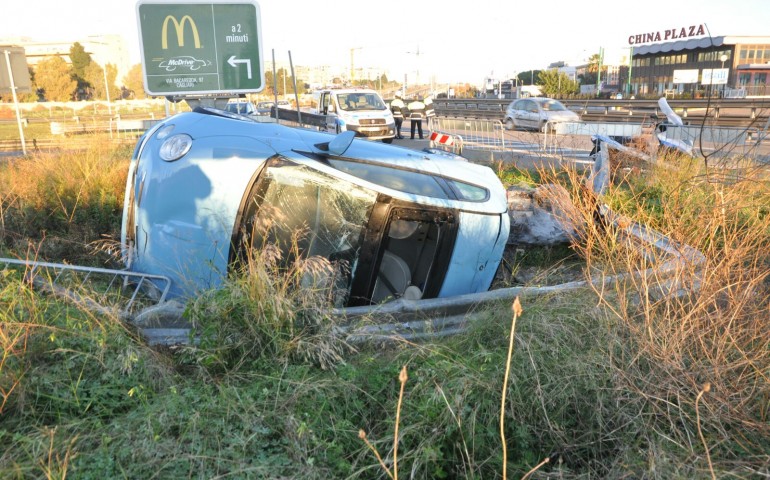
point(416, 110)
point(397, 107)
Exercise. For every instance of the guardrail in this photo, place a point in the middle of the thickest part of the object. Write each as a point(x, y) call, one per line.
point(724, 112)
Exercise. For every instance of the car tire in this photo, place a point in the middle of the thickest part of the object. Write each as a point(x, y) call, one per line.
point(509, 125)
point(387, 140)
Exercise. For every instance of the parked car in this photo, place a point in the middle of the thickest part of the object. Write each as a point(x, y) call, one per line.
point(241, 107)
point(265, 108)
point(284, 104)
point(537, 113)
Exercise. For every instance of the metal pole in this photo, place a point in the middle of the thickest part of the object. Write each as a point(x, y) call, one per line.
point(15, 101)
point(630, 71)
point(107, 90)
point(275, 89)
point(296, 95)
point(107, 93)
point(599, 72)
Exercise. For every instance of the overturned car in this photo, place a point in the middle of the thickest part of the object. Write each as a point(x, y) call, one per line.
point(206, 188)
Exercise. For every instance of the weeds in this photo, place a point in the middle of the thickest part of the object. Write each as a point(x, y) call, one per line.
point(270, 310)
point(63, 202)
point(603, 383)
point(710, 329)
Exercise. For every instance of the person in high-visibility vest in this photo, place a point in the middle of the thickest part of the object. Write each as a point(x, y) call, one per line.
point(397, 107)
point(416, 114)
point(430, 112)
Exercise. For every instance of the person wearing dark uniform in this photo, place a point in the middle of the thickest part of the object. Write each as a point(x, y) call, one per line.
point(416, 114)
point(397, 107)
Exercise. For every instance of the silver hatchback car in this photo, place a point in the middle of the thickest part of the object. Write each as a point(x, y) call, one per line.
point(537, 113)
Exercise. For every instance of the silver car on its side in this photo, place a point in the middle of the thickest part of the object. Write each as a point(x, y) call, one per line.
point(537, 113)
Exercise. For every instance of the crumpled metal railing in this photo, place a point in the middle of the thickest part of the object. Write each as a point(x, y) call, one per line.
point(104, 290)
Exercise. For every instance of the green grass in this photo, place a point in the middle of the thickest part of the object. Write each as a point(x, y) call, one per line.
point(603, 382)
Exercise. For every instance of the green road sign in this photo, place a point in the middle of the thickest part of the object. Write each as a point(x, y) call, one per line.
point(200, 47)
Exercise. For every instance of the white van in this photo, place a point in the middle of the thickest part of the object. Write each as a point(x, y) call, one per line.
point(359, 110)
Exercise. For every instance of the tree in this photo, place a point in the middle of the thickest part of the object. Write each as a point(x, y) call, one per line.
point(592, 70)
point(530, 77)
point(94, 78)
point(53, 78)
point(284, 85)
point(80, 61)
point(556, 84)
point(134, 82)
point(466, 91)
point(112, 75)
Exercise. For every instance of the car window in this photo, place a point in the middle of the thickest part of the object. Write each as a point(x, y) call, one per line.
point(553, 106)
point(407, 181)
point(531, 106)
point(518, 105)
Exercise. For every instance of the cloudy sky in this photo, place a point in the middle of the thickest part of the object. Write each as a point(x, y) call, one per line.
point(456, 40)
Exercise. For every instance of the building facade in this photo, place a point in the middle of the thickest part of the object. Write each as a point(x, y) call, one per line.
point(104, 49)
point(728, 66)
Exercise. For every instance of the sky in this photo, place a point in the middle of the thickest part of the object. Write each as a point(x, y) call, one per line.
point(445, 40)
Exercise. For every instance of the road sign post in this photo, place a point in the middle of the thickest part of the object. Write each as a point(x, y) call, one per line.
point(207, 47)
point(15, 56)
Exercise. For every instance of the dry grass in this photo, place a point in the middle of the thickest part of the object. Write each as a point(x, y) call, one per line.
point(62, 202)
point(711, 328)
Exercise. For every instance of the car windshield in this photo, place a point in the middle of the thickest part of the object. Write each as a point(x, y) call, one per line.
point(360, 101)
point(306, 212)
point(552, 106)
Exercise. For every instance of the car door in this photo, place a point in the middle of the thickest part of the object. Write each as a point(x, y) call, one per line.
point(518, 114)
point(330, 109)
point(532, 115)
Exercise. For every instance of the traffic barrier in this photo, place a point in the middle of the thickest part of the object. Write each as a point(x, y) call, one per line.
point(447, 142)
point(722, 139)
point(477, 134)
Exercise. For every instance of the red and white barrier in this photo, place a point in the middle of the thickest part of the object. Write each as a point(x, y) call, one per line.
point(442, 138)
point(448, 142)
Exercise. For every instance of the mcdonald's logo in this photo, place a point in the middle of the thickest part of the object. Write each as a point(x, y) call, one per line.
point(179, 28)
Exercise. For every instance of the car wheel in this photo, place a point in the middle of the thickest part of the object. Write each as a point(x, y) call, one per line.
point(544, 128)
point(387, 140)
point(509, 125)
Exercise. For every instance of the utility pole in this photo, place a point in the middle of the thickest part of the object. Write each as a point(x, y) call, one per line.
point(352, 69)
point(599, 72)
point(417, 54)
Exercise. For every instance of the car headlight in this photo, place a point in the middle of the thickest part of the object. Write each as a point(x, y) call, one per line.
point(175, 147)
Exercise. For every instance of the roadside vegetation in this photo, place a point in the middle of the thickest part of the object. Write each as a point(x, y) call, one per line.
point(629, 380)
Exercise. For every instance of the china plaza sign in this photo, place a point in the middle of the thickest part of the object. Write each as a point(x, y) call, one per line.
point(670, 34)
point(200, 47)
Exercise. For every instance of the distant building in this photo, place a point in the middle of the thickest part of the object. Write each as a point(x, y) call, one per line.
point(729, 65)
point(104, 49)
